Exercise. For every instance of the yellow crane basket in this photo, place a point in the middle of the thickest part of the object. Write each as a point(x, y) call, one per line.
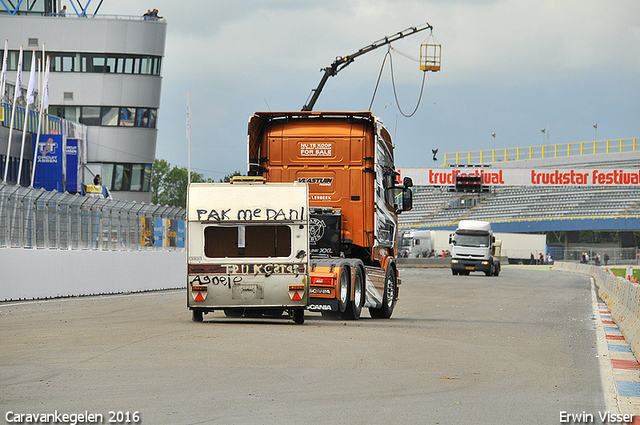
point(430, 55)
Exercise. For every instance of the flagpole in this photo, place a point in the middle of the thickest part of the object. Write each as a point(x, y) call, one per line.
point(31, 98)
point(16, 94)
point(44, 103)
point(188, 138)
point(3, 74)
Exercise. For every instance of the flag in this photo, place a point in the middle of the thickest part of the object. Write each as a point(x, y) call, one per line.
point(3, 75)
point(45, 96)
point(18, 90)
point(31, 90)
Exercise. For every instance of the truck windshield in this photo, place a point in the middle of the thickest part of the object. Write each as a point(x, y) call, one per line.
point(406, 241)
point(472, 240)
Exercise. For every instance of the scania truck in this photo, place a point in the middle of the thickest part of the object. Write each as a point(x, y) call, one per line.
point(346, 159)
point(474, 248)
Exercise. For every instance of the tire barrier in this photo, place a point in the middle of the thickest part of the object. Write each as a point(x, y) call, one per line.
point(621, 295)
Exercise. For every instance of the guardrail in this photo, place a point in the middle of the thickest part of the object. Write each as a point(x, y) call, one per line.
point(621, 296)
point(50, 123)
point(35, 218)
point(560, 150)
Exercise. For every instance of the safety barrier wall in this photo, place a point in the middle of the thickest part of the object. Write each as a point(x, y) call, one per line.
point(621, 296)
point(30, 274)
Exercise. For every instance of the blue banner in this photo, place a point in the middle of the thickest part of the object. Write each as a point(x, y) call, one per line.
point(74, 166)
point(182, 233)
point(49, 162)
point(158, 232)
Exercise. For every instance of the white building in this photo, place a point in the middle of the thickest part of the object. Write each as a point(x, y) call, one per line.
point(106, 73)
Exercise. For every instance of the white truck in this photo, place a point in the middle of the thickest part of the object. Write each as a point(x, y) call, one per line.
point(474, 248)
point(248, 248)
point(417, 243)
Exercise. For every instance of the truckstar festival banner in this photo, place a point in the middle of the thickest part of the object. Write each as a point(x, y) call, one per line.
point(541, 177)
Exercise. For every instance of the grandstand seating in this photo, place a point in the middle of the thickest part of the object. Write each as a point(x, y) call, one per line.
point(436, 207)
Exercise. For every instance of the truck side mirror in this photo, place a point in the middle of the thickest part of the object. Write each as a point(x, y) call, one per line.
point(407, 198)
point(407, 182)
point(450, 239)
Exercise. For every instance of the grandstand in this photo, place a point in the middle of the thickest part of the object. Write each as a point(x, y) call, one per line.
point(526, 208)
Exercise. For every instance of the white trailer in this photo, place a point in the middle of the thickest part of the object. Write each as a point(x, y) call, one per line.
point(520, 246)
point(248, 248)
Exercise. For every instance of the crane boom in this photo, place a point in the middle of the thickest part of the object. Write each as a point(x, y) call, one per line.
point(342, 62)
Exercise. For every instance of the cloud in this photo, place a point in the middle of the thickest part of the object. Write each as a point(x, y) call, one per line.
point(502, 62)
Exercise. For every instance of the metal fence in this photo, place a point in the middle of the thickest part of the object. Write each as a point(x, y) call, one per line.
point(616, 256)
point(35, 218)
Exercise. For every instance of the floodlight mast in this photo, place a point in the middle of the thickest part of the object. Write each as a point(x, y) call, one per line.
point(341, 62)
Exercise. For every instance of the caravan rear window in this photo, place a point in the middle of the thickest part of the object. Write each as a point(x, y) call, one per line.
point(247, 241)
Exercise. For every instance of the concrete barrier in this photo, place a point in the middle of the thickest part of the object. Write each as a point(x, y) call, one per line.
point(621, 296)
point(39, 274)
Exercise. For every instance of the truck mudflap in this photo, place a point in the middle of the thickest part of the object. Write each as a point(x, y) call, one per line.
point(323, 304)
point(373, 298)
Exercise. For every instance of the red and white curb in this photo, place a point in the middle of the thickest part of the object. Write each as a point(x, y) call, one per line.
point(619, 367)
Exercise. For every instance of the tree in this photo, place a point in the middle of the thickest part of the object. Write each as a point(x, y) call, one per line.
point(169, 184)
point(228, 177)
point(158, 174)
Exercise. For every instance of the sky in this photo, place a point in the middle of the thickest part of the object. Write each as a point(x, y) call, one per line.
point(508, 67)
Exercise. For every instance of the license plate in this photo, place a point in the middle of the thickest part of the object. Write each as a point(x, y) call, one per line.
point(247, 291)
point(470, 268)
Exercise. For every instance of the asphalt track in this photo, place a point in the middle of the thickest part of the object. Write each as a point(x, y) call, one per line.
point(519, 348)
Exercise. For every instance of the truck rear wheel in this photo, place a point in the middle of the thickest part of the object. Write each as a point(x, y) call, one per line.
point(389, 298)
point(343, 289)
point(354, 307)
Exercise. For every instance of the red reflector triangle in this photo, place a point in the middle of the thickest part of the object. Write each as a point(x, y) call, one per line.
point(199, 297)
point(296, 296)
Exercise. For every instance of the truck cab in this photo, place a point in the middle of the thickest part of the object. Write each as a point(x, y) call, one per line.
point(417, 243)
point(473, 248)
point(346, 159)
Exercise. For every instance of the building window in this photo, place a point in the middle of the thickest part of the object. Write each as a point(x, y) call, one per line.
point(108, 116)
point(127, 177)
point(90, 115)
point(127, 117)
point(90, 62)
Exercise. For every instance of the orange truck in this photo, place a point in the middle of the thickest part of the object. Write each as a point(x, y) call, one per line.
point(346, 159)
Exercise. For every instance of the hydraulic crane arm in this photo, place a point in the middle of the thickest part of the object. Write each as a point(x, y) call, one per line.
point(342, 62)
